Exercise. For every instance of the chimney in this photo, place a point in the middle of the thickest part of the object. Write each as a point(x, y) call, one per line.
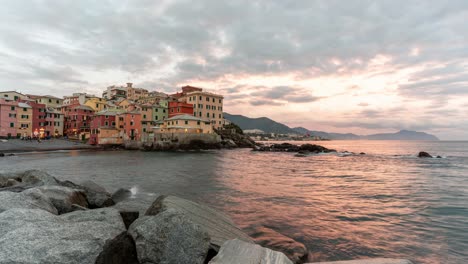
point(129, 85)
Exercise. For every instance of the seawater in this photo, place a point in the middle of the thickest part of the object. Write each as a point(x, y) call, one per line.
point(387, 203)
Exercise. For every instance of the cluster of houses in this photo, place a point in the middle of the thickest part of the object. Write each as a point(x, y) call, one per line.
point(122, 114)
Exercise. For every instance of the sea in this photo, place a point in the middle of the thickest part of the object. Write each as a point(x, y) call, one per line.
point(344, 205)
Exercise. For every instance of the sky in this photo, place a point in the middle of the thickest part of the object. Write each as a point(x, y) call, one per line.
point(337, 66)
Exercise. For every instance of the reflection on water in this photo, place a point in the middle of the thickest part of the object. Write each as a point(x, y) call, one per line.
point(387, 203)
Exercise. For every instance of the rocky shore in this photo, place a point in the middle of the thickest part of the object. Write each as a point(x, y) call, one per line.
point(45, 220)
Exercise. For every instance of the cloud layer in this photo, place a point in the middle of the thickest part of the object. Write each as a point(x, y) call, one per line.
point(360, 66)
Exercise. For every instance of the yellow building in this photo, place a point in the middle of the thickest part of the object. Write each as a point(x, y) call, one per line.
point(24, 117)
point(97, 104)
point(185, 124)
point(48, 100)
point(205, 105)
point(12, 95)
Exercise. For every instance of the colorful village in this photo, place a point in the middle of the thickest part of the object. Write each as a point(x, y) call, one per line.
point(123, 115)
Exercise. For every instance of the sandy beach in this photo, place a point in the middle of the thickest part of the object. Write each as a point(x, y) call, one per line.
point(17, 145)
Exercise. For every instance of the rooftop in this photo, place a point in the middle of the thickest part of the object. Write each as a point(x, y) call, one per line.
point(186, 117)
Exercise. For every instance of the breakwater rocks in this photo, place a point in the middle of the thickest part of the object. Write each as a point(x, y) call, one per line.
point(45, 220)
point(287, 147)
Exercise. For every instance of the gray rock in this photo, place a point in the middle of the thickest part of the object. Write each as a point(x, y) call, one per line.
point(25, 180)
point(121, 195)
point(139, 204)
point(2, 154)
point(128, 217)
point(11, 182)
point(269, 238)
point(120, 250)
point(219, 226)
point(169, 237)
point(36, 236)
point(29, 199)
point(237, 251)
point(38, 177)
point(63, 198)
point(96, 195)
point(423, 154)
point(369, 261)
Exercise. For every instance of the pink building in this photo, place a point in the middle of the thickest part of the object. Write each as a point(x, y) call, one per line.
point(101, 125)
point(8, 121)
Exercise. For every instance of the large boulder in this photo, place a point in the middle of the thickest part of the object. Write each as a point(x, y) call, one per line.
point(424, 154)
point(219, 226)
point(169, 237)
point(119, 250)
point(29, 199)
point(237, 251)
point(38, 177)
point(269, 238)
point(369, 261)
point(96, 195)
point(33, 236)
point(63, 198)
point(121, 195)
point(25, 180)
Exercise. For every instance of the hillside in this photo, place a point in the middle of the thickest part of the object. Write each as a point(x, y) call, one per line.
point(270, 126)
point(262, 123)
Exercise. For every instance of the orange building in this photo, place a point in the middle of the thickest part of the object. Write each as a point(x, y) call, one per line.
point(129, 124)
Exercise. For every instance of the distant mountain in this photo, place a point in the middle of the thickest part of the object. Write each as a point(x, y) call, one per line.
point(270, 126)
point(401, 135)
point(262, 123)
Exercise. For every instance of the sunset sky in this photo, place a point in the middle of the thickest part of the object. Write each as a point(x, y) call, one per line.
point(336, 66)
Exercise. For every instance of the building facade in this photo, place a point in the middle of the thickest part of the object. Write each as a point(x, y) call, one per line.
point(205, 104)
point(8, 121)
point(179, 108)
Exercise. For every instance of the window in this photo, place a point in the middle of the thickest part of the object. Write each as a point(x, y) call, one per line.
point(57, 101)
point(144, 129)
point(207, 99)
point(113, 123)
point(213, 100)
point(207, 107)
point(144, 116)
point(177, 122)
point(131, 123)
point(24, 125)
point(5, 95)
point(25, 109)
point(12, 115)
point(213, 115)
point(106, 123)
point(200, 97)
point(12, 124)
point(219, 100)
point(24, 116)
point(198, 122)
point(208, 115)
point(172, 110)
point(12, 108)
point(50, 100)
point(200, 114)
point(186, 122)
point(156, 110)
point(107, 117)
point(97, 105)
point(164, 110)
point(155, 117)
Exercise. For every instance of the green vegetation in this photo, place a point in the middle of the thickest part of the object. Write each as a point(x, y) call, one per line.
point(234, 126)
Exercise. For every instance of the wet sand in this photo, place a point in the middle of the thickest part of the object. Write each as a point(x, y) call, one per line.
point(17, 145)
